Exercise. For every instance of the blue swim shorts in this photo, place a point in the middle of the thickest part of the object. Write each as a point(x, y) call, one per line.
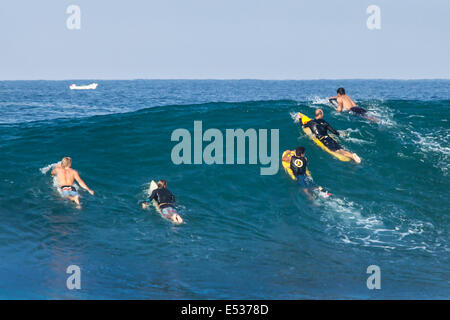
point(69, 191)
point(168, 211)
point(305, 181)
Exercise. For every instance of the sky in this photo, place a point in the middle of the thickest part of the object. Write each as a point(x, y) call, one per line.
point(224, 39)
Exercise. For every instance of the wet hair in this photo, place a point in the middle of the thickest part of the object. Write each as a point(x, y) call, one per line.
point(66, 162)
point(162, 184)
point(299, 151)
point(341, 91)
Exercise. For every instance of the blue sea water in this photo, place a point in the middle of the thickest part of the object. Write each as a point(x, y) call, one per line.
point(245, 236)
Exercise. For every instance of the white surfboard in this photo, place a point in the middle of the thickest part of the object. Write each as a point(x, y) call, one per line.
point(153, 186)
point(334, 103)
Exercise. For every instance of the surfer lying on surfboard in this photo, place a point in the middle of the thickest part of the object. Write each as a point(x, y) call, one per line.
point(344, 103)
point(320, 128)
point(66, 176)
point(164, 202)
point(298, 165)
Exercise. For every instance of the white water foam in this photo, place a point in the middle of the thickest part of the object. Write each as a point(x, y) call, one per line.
point(383, 113)
point(294, 116)
point(358, 141)
point(344, 218)
point(319, 100)
point(347, 211)
point(49, 167)
point(432, 145)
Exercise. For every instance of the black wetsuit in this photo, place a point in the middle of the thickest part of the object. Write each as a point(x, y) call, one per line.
point(298, 165)
point(163, 197)
point(320, 128)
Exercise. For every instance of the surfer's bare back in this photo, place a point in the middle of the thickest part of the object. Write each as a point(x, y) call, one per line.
point(66, 176)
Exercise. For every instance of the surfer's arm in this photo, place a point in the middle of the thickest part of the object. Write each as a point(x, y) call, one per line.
point(152, 196)
point(81, 183)
point(147, 201)
point(331, 129)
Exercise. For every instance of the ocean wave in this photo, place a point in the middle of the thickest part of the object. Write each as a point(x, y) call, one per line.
point(238, 223)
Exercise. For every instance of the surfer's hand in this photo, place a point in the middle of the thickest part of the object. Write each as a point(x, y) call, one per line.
point(144, 205)
point(91, 191)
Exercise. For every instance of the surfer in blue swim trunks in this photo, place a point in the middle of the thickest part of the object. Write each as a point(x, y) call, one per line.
point(345, 103)
point(165, 201)
point(319, 127)
point(298, 166)
point(66, 177)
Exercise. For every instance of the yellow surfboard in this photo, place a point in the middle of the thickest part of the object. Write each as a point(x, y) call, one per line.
point(304, 119)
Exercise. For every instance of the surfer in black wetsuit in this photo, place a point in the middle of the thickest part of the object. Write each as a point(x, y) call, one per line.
point(345, 103)
point(165, 201)
point(320, 128)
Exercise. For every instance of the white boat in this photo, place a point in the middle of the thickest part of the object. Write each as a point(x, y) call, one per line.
point(91, 86)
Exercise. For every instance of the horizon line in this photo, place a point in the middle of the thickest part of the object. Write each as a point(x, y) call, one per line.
point(223, 79)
